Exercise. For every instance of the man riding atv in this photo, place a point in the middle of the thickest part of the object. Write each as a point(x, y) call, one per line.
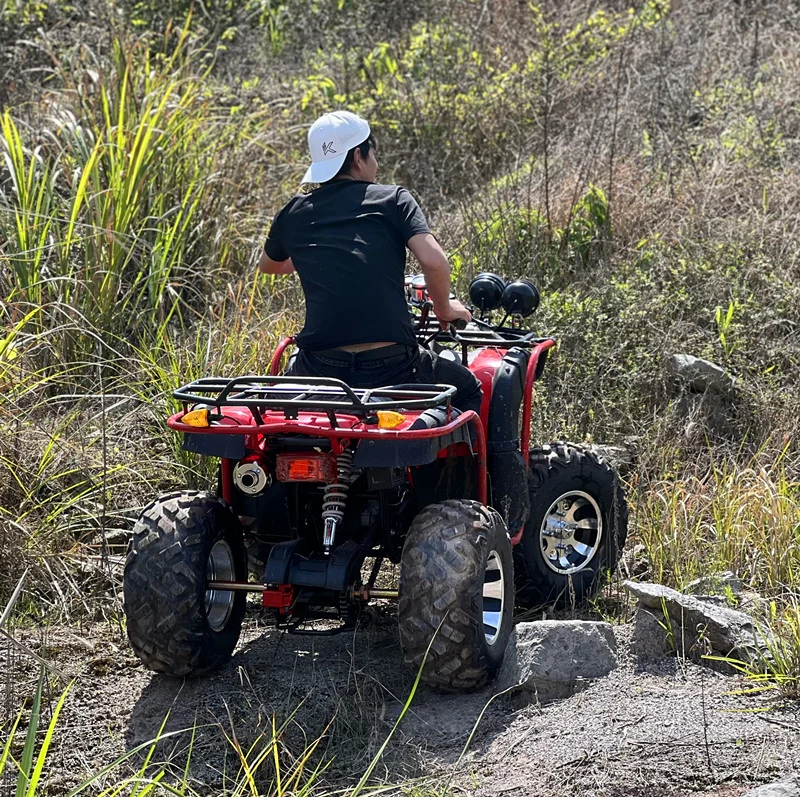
point(319, 482)
point(347, 241)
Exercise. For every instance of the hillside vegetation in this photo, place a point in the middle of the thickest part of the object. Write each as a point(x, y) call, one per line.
point(639, 162)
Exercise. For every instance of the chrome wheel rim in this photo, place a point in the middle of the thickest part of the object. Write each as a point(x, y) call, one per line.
point(571, 532)
point(494, 587)
point(219, 602)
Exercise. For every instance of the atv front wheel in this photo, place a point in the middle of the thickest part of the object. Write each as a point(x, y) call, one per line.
point(576, 529)
point(176, 625)
point(457, 589)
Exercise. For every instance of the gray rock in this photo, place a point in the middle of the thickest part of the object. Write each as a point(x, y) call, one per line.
point(790, 787)
point(716, 600)
point(706, 412)
point(754, 604)
point(700, 375)
point(696, 627)
point(650, 642)
point(552, 659)
point(622, 458)
point(114, 538)
point(715, 584)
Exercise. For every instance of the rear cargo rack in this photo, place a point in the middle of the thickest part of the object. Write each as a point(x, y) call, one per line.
point(292, 394)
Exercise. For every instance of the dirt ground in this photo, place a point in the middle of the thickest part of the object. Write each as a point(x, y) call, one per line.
point(672, 728)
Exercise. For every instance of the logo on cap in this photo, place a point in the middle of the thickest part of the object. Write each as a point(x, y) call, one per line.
point(327, 148)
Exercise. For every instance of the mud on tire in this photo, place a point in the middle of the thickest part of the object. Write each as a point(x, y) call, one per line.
point(457, 589)
point(175, 625)
point(576, 529)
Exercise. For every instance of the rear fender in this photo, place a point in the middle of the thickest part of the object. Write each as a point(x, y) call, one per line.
point(407, 453)
point(226, 446)
point(485, 365)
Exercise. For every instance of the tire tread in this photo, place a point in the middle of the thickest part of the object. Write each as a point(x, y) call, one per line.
point(441, 594)
point(164, 569)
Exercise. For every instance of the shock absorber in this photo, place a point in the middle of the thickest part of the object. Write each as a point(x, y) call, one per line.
point(334, 498)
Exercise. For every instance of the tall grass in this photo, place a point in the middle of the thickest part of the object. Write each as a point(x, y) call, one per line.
point(80, 455)
point(127, 236)
point(119, 220)
point(730, 517)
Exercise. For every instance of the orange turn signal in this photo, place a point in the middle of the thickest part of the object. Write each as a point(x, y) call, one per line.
point(389, 420)
point(306, 468)
point(196, 417)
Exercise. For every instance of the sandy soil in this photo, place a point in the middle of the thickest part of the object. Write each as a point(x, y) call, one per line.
point(671, 728)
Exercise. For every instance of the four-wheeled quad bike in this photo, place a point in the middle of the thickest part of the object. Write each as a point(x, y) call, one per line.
point(320, 483)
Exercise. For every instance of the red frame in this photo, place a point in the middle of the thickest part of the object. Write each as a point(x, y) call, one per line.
point(527, 402)
point(275, 363)
point(484, 366)
point(280, 597)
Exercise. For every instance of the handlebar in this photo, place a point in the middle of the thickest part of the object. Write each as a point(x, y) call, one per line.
point(459, 323)
point(425, 311)
point(476, 332)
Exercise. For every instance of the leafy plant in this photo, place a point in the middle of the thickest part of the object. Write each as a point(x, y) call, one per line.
point(589, 228)
point(724, 320)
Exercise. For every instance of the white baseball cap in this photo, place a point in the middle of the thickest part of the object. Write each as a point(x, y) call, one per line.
point(330, 138)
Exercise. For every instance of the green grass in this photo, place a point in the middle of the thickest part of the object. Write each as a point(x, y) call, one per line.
point(774, 670)
point(119, 222)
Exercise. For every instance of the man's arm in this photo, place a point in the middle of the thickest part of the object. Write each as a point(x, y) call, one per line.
point(436, 269)
point(270, 266)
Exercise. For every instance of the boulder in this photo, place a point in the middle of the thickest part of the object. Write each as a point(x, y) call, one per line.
point(553, 659)
point(650, 640)
point(790, 787)
point(700, 375)
point(697, 627)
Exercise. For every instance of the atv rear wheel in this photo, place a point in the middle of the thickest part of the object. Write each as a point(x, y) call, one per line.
point(176, 625)
point(457, 589)
point(576, 529)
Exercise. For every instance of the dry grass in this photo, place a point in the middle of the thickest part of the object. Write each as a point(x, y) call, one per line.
point(742, 519)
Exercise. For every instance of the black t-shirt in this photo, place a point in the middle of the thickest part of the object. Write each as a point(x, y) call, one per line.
point(347, 240)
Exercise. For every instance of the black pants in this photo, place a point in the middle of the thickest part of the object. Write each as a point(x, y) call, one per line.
point(392, 365)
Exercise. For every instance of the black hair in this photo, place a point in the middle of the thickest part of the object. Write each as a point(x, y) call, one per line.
point(364, 147)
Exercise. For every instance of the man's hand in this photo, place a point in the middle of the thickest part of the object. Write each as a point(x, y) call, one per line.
point(454, 311)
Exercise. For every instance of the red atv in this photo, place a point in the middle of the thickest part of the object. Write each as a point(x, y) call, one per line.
point(320, 483)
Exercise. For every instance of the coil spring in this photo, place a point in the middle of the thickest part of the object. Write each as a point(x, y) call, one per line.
point(334, 495)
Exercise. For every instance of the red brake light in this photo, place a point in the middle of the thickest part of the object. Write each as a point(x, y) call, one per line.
point(306, 468)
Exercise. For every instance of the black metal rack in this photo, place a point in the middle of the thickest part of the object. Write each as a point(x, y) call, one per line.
point(311, 393)
point(476, 334)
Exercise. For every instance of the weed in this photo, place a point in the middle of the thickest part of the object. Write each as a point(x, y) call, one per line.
point(774, 667)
